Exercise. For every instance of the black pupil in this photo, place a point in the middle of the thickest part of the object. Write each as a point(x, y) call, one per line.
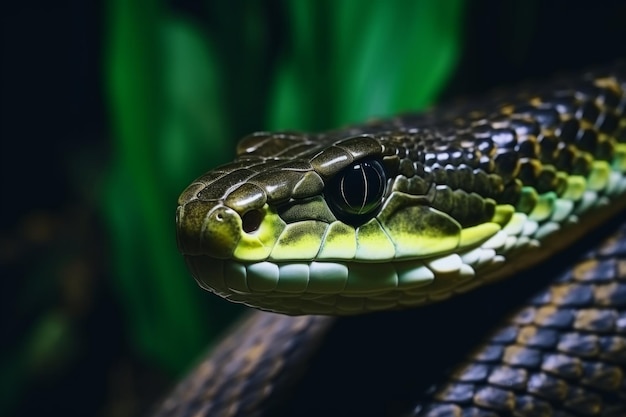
point(357, 191)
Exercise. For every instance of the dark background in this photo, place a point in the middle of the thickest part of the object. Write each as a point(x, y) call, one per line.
point(56, 144)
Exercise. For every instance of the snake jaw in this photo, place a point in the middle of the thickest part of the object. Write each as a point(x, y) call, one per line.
point(311, 266)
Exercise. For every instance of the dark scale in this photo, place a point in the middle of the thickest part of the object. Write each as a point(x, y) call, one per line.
point(504, 138)
point(406, 167)
point(546, 116)
point(608, 98)
point(462, 393)
point(587, 92)
point(547, 180)
point(438, 174)
point(579, 345)
point(612, 348)
point(482, 130)
point(549, 145)
point(506, 165)
point(456, 155)
point(568, 130)
point(511, 193)
point(401, 152)
point(537, 337)
point(452, 174)
point(469, 209)
point(419, 169)
point(465, 176)
point(588, 111)
point(529, 171)
point(607, 121)
point(391, 165)
point(525, 127)
point(564, 159)
point(505, 335)
point(429, 158)
point(485, 163)
point(587, 140)
point(417, 186)
point(605, 149)
point(485, 145)
point(582, 164)
point(500, 121)
point(527, 147)
point(564, 105)
point(482, 185)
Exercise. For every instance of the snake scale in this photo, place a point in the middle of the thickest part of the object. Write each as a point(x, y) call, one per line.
point(409, 214)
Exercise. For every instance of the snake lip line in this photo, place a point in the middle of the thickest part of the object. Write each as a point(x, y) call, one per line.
point(347, 287)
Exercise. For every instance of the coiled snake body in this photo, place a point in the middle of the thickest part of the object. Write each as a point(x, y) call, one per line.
point(407, 212)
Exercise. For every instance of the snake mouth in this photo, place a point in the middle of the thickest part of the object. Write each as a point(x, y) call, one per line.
point(344, 288)
point(328, 267)
point(340, 270)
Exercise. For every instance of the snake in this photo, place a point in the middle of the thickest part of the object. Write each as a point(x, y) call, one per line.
point(373, 252)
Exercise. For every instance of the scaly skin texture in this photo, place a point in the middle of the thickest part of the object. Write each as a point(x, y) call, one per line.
point(407, 211)
point(263, 363)
point(564, 350)
point(474, 192)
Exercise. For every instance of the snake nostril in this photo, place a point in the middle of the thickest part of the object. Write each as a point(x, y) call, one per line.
point(251, 221)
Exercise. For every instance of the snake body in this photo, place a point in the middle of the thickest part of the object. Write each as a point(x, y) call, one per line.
point(406, 212)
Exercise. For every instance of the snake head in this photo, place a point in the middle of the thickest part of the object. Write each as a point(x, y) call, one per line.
point(329, 225)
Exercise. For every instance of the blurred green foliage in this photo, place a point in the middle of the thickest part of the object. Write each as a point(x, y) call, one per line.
point(182, 88)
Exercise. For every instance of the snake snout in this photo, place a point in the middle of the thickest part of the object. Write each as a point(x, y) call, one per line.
point(210, 229)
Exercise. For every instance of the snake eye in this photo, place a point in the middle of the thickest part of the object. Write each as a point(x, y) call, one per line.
point(357, 191)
